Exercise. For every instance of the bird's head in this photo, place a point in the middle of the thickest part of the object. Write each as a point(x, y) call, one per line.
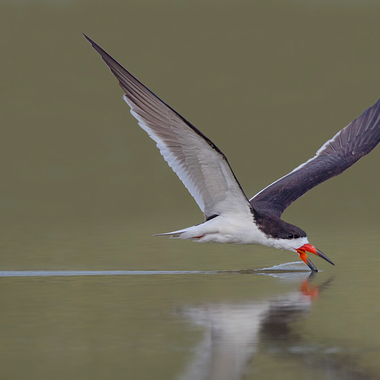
point(297, 243)
point(296, 240)
point(284, 235)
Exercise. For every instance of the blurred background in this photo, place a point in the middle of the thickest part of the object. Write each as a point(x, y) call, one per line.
point(82, 187)
point(269, 82)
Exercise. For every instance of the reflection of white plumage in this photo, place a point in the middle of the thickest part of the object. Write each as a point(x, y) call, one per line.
point(206, 173)
point(233, 332)
point(229, 340)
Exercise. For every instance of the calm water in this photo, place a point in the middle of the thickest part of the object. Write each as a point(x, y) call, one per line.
point(86, 291)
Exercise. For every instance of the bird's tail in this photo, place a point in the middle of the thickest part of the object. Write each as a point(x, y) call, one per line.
point(173, 234)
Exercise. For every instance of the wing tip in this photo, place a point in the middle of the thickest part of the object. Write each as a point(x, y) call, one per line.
point(88, 39)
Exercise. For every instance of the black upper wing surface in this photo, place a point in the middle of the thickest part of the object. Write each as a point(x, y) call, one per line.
point(350, 144)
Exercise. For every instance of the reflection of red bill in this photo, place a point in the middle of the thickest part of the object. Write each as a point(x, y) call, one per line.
point(310, 248)
point(309, 290)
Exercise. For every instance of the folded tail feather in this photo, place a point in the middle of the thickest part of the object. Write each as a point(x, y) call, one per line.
point(173, 234)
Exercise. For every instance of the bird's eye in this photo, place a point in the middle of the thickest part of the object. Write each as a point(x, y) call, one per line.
point(290, 236)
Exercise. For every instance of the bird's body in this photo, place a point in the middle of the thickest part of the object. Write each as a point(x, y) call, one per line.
point(230, 217)
point(238, 228)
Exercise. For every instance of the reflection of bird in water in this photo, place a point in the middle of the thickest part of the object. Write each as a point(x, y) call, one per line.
point(206, 173)
point(236, 333)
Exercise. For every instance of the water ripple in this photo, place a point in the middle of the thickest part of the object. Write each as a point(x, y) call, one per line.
point(283, 268)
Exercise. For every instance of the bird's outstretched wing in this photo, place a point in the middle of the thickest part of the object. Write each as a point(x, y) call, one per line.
point(197, 161)
point(350, 144)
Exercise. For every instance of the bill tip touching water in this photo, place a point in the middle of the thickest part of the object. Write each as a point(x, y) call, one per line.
point(230, 217)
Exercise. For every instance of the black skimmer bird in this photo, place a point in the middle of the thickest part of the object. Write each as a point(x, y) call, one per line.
point(230, 217)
